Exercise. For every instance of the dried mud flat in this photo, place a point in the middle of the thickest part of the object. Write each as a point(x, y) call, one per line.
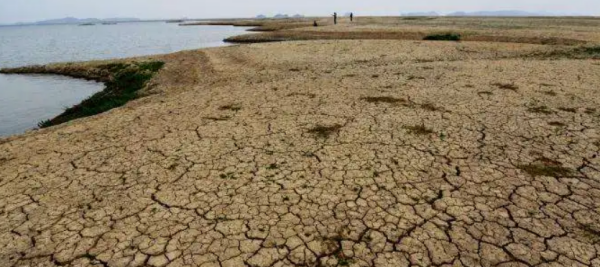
point(322, 153)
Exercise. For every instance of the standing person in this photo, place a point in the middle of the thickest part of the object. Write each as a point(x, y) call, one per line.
point(334, 17)
point(351, 17)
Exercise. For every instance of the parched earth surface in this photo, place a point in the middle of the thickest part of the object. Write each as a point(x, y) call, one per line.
point(327, 153)
point(548, 30)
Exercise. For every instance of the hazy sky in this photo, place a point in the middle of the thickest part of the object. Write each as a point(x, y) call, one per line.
point(32, 10)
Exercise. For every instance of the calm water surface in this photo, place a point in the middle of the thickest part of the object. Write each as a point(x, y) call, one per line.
point(27, 99)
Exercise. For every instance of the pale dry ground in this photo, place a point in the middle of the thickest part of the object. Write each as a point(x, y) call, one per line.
point(226, 165)
point(545, 30)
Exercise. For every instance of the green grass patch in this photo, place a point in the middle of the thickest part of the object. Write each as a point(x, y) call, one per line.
point(126, 79)
point(443, 37)
point(113, 67)
point(593, 50)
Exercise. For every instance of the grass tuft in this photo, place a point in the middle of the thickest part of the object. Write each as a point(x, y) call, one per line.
point(152, 66)
point(593, 50)
point(443, 37)
point(591, 231)
point(44, 124)
point(571, 110)
point(418, 130)
point(506, 86)
point(540, 109)
point(228, 176)
point(224, 118)
point(590, 111)
point(309, 95)
point(325, 131)
point(232, 107)
point(429, 106)
point(113, 67)
point(412, 77)
point(383, 99)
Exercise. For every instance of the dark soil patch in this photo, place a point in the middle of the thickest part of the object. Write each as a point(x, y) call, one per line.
point(556, 123)
point(506, 86)
point(231, 107)
point(323, 131)
point(546, 167)
point(540, 109)
point(571, 110)
point(418, 130)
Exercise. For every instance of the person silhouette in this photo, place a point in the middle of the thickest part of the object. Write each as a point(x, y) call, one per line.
point(351, 17)
point(334, 17)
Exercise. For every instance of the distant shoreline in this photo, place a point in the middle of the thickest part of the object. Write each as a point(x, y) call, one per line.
point(97, 21)
point(273, 30)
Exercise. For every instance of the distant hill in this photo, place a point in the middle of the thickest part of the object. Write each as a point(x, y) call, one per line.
point(281, 16)
point(125, 19)
point(420, 14)
point(485, 13)
point(71, 20)
point(500, 13)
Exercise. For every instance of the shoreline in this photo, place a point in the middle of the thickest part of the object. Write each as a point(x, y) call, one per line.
point(83, 70)
point(272, 31)
point(122, 80)
point(61, 69)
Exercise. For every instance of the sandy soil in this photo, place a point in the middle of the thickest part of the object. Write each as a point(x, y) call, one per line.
point(321, 153)
point(556, 31)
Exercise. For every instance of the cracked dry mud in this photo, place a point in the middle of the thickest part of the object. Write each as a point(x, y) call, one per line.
point(340, 153)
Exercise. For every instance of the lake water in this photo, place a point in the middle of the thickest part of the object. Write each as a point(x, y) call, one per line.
point(27, 99)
